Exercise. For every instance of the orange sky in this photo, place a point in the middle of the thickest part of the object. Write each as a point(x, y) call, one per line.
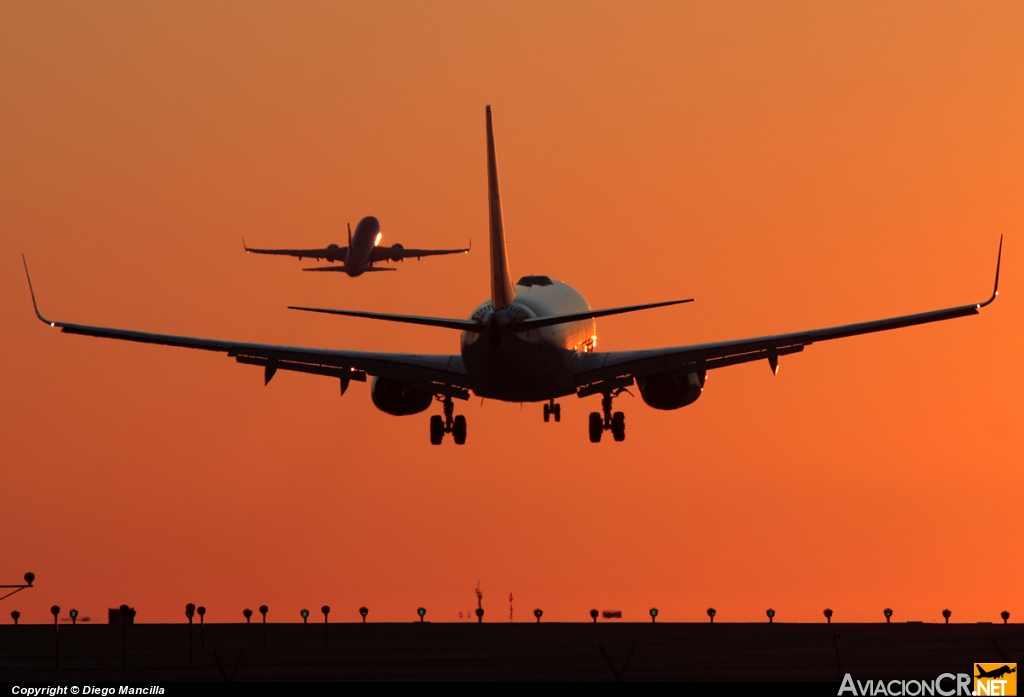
point(789, 165)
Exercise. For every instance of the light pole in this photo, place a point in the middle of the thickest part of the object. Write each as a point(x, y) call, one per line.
point(593, 615)
point(15, 615)
point(305, 615)
point(18, 587)
point(247, 613)
point(326, 609)
point(422, 612)
point(363, 612)
point(888, 615)
point(190, 610)
point(201, 611)
point(828, 615)
point(55, 611)
point(771, 615)
point(711, 614)
point(74, 616)
point(945, 614)
point(537, 613)
point(263, 611)
point(654, 614)
point(1004, 614)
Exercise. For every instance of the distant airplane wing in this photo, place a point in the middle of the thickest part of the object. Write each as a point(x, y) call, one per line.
point(597, 367)
point(397, 252)
point(331, 252)
point(438, 374)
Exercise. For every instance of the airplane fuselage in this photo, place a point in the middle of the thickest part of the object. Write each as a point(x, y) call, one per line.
point(528, 366)
point(366, 236)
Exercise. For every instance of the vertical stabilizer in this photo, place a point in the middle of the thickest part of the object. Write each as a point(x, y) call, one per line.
point(502, 291)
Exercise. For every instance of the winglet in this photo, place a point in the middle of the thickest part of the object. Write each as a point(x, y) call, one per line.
point(995, 287)
point(35, 305)
point(244, 246)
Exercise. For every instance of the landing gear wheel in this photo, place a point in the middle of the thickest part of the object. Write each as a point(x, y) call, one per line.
point(437, 430)
point(596, 427)
point(619, 426)
point(459, 430)
point(547, 413)
point(557, 411)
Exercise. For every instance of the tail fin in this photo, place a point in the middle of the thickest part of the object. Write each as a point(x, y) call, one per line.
point(502, 291)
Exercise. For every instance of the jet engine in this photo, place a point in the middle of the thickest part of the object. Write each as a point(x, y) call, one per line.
point(397, 397)
point(334, 253)
point(671, 390)
point(396, 252)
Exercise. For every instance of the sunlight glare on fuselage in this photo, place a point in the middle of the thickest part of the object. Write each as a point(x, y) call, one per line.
point(377, 241)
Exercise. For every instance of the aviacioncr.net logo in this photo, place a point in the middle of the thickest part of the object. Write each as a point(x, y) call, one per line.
point(946, 685)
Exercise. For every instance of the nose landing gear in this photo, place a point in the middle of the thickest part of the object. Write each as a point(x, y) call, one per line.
point(455, 425)
point(552, 409)
point(616, 423)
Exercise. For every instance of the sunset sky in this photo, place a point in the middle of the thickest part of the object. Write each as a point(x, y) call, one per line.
point(789, 165)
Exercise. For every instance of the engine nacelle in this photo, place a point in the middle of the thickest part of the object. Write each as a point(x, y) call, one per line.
point(334, 253)
point(396, 252)
point(398, 398)
point(671, 390)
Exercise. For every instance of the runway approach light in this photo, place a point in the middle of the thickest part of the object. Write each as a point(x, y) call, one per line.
point(74, 616)
point(537, 613)
point(771, 615)
point(422, 611)
point(593, 616)
point(15, 615)
point(29, 578)
point(364, 611)
point(654, 614)
point(1004, 614)
point(711, 613)
point(190, 611)
point(326, 609)
point(263, 611)
point(828, 615)
point(888, 615)
point(305, 615)
point(946, 614)
point(248, 615)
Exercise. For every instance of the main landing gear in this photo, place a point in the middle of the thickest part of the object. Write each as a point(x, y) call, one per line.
point(455, 425)
point(616, 423)
point(552, 409)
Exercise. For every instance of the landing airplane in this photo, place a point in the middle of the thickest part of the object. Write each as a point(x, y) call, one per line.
point(362, 252)
point(995, 673)
point(532, 341)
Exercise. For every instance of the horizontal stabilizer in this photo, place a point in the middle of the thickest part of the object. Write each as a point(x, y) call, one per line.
point(469, 325)
point(528, 324)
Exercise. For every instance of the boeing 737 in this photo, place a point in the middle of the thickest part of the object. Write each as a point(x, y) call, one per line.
point(362, 252)
point(532, 341)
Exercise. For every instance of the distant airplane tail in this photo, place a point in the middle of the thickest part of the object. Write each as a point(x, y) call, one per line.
point(502, 290)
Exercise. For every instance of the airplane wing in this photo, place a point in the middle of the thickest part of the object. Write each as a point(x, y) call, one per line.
point(331, 252)
point(438, 374)
point(621, 366)
point(397, 252)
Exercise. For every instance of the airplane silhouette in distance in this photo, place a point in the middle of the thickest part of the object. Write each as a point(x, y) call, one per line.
point(995, 673)
point(532, 341)
point(362, 252)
